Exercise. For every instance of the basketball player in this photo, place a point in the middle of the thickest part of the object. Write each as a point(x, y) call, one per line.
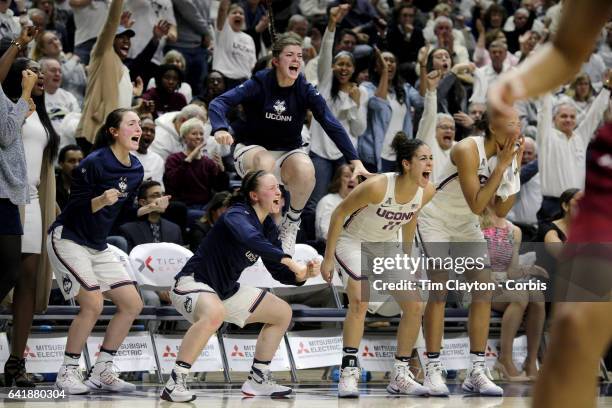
point(369, 206)
point(467, 184)
point(84, 267)
point(207, 291)
point(275, 102)
point(581, 332)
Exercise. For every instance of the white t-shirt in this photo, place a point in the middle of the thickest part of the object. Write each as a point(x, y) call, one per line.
point(149, 12)
point(325, 208)
point(153, 166)
point(234, 54)
point(60, 104)
point(397, 124)
point(35, 140)
point(89, 20)
point(126, 89)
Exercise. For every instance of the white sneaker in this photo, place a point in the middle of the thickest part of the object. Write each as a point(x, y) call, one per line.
point(288, 234)
point(433, 380)
point(403, 382)
point(70, 379)
point(176, 389)
point(261, 383)
point(478, 381)
point(348, 385)
point(103, 376)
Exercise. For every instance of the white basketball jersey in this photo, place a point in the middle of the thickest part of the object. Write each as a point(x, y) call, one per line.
point(381, 222)
point(449, 196)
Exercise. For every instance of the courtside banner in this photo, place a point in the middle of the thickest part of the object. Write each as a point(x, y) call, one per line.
point(168, 347)
point(135, 354)
point(44, 353)
point(519, 351)
point(240, 351)
point(316, 348)
point(377, 353)
point(455, 354)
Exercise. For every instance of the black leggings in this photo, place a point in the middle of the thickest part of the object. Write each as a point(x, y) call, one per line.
point(10, 254)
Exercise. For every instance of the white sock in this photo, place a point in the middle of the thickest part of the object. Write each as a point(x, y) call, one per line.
point(71, 361)
point(105, 357)
point(181, 368)
point(293, 215)
point(476, 359)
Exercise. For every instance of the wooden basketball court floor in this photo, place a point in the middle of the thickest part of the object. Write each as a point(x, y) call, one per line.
point(305, 396)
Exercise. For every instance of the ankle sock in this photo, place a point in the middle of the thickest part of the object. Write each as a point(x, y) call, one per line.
point(71, 359)
point(349, 357)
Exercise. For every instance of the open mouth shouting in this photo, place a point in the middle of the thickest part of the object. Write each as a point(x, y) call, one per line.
point(134, 141)
point(294, 70)
point(426, 175)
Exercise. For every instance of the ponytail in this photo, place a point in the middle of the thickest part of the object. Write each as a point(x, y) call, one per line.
point(404, 149)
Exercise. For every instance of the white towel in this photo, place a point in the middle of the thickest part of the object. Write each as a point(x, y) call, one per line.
point(511, 182)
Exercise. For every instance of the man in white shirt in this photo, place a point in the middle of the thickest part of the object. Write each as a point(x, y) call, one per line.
point(562, 146)
point(58, 102)
point(486, 75)
point(152, 163)
point(167, 137)
point(529, 199)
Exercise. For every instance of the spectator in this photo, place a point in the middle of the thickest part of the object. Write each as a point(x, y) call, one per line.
point(190, 176)
point(193, 38)
point(202, 226)
point(58, 20)
point(175, 58)
point(152, 202)
point(442, 10)
point(74, 79)
point(59, 102)
point(389, 111)
point(347, 40)
point(40, 143)
point(347, 102)
point(167, 137)
point(437, 130)
point(214, 86)
point(494, 17)
point(605, 51)
point(524, 212)
point(470, 121)
point(485, 75)
point(68, 159)
point(596, 69)
point(257, 21)
point(90, 17)
point(108, 84)
point(166, 96)
point(523, 22)
point(340, 186)
point(582, 93)
point(234, 50)
point(503, 242)
point(482, 53)
point(445, 38)
point(152, 163)
point(562, 146)
point(13, 193)
point(9, 24)
point(314, 9)
point(405, 37)
point(148, 14)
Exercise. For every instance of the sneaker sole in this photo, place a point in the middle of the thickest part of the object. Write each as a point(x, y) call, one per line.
point(166, 397)
point(72, 393)
point(274, 394)
point(395, 391)
point(103, 387)
point(489, 394)
point(432, 393)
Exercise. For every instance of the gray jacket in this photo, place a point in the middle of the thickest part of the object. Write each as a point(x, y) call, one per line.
point(191, 22)
point(13, 173)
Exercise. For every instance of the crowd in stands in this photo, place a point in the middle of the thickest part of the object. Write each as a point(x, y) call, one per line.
point(413, 66)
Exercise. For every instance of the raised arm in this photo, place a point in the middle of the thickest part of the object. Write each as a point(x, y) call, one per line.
point(222, 14)
point(586, 129)
point(324, 70)
point(107, 35)
point(427, 125)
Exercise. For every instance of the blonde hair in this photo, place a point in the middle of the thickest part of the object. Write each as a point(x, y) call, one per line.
point(173, 55)
point(189, 125)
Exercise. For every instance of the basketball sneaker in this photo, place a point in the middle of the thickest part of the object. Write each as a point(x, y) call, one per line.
point(433, 379)
point(103, 376)
point(70, 379)
point(288, 234)
point(478, 381)
point(176, 389)
point(260, 382)
point(403, 381)
point(348, 385)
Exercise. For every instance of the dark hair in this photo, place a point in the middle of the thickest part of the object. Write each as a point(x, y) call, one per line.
point(161, 71)
point(404, 149)
point(565, 198)
point(145, 186)
point(12, 89)
point(250, 182)
point(494, 8)
point(219, 200)
point(62, 153)
point(104, 137)
point(334, 185)
point(397, 81)
point(430, 57)
point(335, 86)
point(346, 31)
point(483, 124)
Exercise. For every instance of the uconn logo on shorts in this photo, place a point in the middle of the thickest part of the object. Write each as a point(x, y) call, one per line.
point(188, 305)
point(251, 256)
point(279, 108)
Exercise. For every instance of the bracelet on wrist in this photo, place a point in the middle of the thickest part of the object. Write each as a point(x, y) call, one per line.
point(17, 44)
